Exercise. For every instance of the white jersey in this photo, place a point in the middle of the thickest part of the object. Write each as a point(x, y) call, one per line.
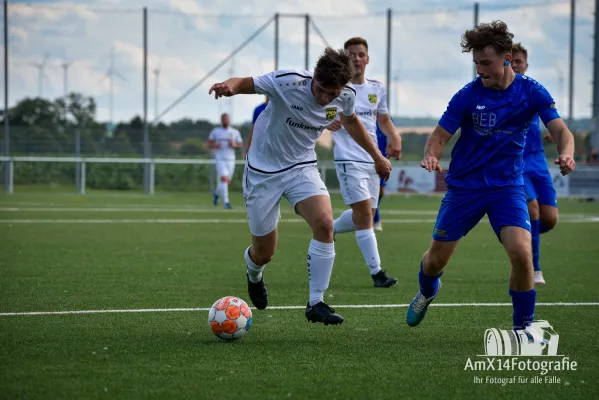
point(371, 99)
point(285, 133)
point(222, 136)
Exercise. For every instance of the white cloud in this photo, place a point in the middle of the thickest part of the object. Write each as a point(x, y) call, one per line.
point(426, 54)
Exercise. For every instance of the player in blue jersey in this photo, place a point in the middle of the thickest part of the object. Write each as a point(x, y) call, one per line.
point(493, 113)
point(382, 142)
point(538, 184)
point(257, 111)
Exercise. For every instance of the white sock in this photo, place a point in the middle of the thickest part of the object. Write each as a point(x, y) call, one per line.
point(321, 257)
point(368, 245)
point(345, 222)
point(254, 271)
point(224, 191)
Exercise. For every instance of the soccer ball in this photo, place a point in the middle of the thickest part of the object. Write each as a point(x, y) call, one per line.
point(230, 318)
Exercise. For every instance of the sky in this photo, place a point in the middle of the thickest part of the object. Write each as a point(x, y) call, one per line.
point(189, 38)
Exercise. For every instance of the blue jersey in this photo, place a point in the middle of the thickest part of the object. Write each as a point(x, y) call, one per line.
point(534, 141)
point(381, 139)
point(257, 112)
point(493, 125)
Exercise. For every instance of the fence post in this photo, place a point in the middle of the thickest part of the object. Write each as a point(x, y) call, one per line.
point(6, 147)
point(11, 177)
point(152, 176)
point(82, 183)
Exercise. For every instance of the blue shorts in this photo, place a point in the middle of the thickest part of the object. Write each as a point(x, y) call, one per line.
point(538, 184)
point(461, 209)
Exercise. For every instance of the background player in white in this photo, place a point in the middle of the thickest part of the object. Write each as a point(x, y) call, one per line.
point(223, 140)
point(360, 184)
point(282, 163)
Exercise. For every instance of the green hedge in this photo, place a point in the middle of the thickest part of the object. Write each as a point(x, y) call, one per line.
point(179, 177)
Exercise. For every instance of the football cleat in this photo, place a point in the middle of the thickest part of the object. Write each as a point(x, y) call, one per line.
point(419, 306)
point(381, 279)
point(539, 277)
point(258, 293)
point(320, 312)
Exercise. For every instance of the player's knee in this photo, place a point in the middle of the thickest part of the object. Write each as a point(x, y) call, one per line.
point(549, 221)
point(323, 225)
point(520, 255)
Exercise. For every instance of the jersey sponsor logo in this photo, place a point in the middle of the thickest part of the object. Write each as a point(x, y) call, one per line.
point(365, 113)
point(301, 125)
point(372, 98)
point(297, 107)
point(331, 113)
point(480, 107)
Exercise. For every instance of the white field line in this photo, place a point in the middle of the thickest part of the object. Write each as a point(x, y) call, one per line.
point(241, 209)
point(227, 221)
point(360, 306)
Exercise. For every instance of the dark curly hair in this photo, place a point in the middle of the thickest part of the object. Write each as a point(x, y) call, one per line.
point(334, 68)
point(495, 34)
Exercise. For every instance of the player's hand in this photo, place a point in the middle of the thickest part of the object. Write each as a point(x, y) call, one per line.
point(221, 89)
point(334, 126)
point(566, 164)
point(431, 164)
point(394, 148)
point(382, 167)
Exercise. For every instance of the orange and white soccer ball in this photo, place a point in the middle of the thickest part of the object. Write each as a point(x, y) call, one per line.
point(230, 318)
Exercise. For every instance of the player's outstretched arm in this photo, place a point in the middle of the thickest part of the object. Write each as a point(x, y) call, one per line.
point(356, 130)
point(232, 87)
point(388, 128)
point(434, 149)
point(564, 140)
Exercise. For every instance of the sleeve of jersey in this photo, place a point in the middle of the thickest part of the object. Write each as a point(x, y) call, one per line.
point(211, 135)
point(544, 104)
point(382, 107)
point(265, 84)
point(350, 105)
point(454, 114)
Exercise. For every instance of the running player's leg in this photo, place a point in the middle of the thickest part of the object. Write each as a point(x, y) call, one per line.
point(508, 215)
point(359, 188)
point(460, 211)
point(535, 223)
point(307, 193)
point(378, 225)
point(262, 196)
point(230, 170)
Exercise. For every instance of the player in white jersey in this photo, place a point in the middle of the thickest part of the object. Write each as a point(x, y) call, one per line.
point(358, 179)
point(223, 140)
point(281, 162)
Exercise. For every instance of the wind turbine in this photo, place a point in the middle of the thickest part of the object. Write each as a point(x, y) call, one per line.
point(156, 72)
point(41, 66)
point(111, 72)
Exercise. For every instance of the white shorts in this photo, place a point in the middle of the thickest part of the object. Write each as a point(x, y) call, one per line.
point(358, 182)
point(262, 194)
point(225, 168)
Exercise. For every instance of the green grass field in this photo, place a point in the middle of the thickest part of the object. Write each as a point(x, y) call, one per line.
point(125, 251)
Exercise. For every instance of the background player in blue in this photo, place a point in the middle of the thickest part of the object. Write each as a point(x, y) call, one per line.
point(540, 192)
point(382, 142)
point(257, 111)
point(493, 113)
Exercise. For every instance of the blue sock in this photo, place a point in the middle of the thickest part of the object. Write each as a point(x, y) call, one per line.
point(543, 228)
point(536, 239)
point(428, 284)
point(377, 216)
point(524, 307)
